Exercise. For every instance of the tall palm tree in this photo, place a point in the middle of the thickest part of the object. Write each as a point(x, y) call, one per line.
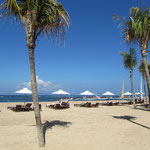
point(137, 29)
point(142, 71)
point(129, 61)
point(37, 17)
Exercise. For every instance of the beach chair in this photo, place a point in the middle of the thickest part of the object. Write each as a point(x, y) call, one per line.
point(115, 103)
point(17, 108)
point(126, 103)
point(130, 103)
point(87, 105)
point(64, 105)
point(84, 104)
point(10, 107)
point(107, 103)
point(27, 107)
point(95, 105)
point(50, 105)
point(57, 106)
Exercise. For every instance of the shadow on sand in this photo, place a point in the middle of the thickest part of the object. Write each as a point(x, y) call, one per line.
point(130, 118)
point(144, 109)
point(50, 124)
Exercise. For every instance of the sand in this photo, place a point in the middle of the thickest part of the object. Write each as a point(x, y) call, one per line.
point(77, 128)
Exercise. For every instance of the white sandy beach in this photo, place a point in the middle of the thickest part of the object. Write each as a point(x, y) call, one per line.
point(76, 128)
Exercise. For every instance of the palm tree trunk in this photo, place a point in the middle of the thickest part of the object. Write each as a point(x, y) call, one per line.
point(132, 89)
point(144, 54)
point(31, 46)
point(145, 88)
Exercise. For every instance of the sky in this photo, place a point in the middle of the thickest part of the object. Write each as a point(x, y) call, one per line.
point(89, 60)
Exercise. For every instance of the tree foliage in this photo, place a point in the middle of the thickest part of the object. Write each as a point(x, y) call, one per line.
point(38, 16)
point(137, 27)
point(129, 59)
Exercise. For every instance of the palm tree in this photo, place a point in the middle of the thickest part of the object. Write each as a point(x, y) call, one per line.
point(129, 61)
point(37, 17)
point(142, 71)
point(137, 29)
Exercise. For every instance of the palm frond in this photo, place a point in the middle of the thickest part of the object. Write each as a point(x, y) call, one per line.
point(129, 59)
point(137, 27)
point(38, 16)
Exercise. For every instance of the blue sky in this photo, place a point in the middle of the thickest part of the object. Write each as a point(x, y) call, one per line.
point(90, 59)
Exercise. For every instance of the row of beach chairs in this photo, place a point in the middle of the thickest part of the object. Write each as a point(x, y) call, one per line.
point(19, 108)
point(63, 105)
point(87, 104)
point(110, 103)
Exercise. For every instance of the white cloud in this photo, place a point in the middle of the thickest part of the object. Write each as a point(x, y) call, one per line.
point(43, 86)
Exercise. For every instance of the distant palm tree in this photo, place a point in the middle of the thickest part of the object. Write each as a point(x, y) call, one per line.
point(142, 71)
point(137, 29)
point(37, 17)
point(129, 61)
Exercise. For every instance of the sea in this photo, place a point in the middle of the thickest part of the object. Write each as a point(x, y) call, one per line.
point(46, 98)
point(28, 98)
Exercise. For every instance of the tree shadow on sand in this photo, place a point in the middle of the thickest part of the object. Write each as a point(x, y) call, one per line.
point(130, 118)
point(144, 109)
point(50, 124)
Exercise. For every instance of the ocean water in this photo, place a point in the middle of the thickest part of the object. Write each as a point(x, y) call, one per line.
point(43, 98)
point(27, 98)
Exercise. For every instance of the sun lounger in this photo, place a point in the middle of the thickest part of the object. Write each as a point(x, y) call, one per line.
point(10, 107)
point(17, 108)
point(65, 105)
point(127, 103)
point(57, 106)
point(115, 103)
point(50, 105)
point(27, 107)
point(81, 105)
point(87, 104)
point(95, 105)
point(109, 103)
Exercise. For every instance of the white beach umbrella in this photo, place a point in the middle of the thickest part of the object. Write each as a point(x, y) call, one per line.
point(108, 94)
point(24, 91)
point(60, 92)
point(127, 93)
point(87, 93)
